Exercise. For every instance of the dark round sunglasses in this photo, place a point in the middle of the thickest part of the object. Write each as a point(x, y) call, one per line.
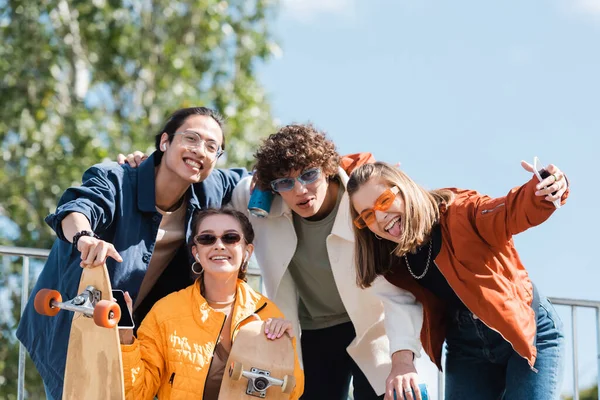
point(208, 239)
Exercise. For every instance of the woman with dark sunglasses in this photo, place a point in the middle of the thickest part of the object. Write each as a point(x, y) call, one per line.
point(305, 249)
point(453, 249)
point(182, 346)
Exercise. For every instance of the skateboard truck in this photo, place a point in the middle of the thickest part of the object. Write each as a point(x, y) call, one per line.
point(89, 303)
point(259, 380)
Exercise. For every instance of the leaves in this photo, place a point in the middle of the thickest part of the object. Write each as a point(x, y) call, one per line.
point(84, 80)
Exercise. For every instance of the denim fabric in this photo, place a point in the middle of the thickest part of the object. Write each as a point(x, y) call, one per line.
point(119, 202)
point(48, 396)
point(480, 364)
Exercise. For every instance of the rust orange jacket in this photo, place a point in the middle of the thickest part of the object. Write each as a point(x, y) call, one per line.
point(175, 344)
point(482, 266)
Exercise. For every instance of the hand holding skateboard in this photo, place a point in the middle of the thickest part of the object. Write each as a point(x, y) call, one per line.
point(276, 327)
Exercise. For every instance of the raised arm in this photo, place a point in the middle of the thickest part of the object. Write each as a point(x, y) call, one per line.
point(498, 219)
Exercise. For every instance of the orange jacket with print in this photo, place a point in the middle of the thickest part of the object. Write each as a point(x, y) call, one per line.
point(175, 343)
point(482, 266)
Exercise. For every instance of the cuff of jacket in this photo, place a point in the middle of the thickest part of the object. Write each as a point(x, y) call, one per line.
point(405, 343)
point(55, 220)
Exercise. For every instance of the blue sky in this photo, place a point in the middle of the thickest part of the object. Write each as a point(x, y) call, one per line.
point(459, 93)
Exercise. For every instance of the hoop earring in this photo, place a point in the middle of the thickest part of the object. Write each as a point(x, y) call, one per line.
point(378, 237)
point(194, 269)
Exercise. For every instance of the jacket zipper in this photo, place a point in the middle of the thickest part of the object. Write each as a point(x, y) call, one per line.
point(243, 319)
point(492, 209)
point(213, 353)
point(171, 379)
point(489, 327)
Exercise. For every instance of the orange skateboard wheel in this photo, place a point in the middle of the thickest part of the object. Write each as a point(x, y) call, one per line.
point(289, 383)
point(43, 302)
point(107, 314)
point(235, 370)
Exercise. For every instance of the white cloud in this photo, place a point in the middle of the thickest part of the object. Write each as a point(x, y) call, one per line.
point(307, 10)
point(588, 6)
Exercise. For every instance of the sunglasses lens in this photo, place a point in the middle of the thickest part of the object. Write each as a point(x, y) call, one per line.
point(206, 239)
point(310, 176)
point(231, 238)
point(386, 200)
point(283, 185)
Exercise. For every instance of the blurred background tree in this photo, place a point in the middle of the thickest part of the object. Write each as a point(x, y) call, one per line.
point(586, 394)
point(82, 80)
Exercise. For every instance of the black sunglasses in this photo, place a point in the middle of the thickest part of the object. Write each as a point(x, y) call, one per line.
point(208, 239)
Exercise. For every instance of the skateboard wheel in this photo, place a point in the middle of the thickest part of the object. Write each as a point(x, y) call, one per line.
point(43, 302)
point(235, 370)
point(289, 383)
point(107, 314)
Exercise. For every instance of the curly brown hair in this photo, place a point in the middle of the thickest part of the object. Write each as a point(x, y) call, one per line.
point(294, 147)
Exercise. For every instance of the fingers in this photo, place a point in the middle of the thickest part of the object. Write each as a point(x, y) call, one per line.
point(526, 166)
point(112, 253)
point(405, 386)
point(415, 388)
point(121, 159)
point(129, 302)
point(553, 186)
point(276, 327)
point(94, 252)
point(253, 183)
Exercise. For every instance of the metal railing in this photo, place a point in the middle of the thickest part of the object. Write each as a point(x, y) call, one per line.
point(574, 304)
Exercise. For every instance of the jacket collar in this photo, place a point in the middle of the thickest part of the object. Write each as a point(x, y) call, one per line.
point(247, 302)
point(342, 226)
point(146, 188)
point(146, 199)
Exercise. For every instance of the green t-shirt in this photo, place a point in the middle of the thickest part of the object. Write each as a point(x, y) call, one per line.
point(320, 303)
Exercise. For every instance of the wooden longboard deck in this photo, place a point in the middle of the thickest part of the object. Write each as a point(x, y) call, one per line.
point(252, 349)
point(94, 369)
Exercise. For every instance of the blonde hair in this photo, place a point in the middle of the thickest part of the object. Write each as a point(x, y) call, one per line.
point(375, 257)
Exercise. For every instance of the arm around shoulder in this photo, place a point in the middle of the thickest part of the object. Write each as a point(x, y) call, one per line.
point(241, 195)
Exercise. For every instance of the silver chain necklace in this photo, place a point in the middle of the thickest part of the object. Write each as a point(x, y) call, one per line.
point(426, 265)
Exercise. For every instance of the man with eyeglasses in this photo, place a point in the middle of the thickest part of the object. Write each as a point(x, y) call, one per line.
point(137, 221)
point(305, 249)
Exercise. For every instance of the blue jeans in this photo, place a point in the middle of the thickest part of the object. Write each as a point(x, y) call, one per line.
point(480, 364)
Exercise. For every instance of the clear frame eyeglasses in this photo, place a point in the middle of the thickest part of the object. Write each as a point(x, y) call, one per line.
point(193, 140)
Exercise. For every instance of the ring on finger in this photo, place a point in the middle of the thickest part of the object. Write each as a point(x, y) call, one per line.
point(555, 177)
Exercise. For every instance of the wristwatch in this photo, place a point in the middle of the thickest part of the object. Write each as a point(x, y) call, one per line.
point(79, 234)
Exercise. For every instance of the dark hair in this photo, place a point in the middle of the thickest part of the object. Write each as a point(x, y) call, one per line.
point(178, 118)
point(247, 231)
point(294, 147)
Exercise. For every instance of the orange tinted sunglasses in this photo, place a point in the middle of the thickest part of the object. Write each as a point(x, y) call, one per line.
point(383, 203)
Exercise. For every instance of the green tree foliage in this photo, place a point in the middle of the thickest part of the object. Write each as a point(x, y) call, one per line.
point(82, 80)
point(587, 394)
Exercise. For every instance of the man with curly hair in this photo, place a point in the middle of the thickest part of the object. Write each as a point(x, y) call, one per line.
point(305, 249)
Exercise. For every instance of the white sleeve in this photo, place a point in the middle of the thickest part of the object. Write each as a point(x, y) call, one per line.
point(403, 316)
point(241, 195)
